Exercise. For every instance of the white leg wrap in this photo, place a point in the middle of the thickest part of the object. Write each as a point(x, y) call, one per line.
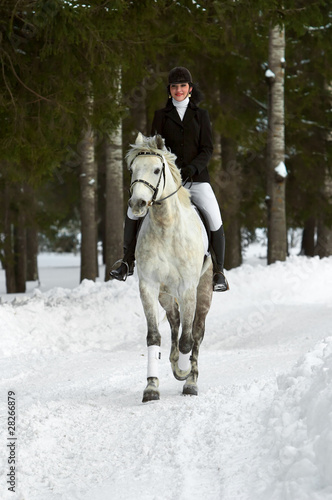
point(184, 361)
point(154, 356)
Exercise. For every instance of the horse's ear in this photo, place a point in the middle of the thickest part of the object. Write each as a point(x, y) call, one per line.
point(139, 138)
point(160, 142)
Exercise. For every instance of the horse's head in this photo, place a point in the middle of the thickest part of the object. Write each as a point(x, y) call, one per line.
point(147, 165)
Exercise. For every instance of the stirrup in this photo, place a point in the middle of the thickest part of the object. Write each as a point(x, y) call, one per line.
point(115, 275)
point(220, 287)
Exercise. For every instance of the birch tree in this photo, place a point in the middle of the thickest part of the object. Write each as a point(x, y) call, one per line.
point(114, 199)
point(114, 189)
point(276, 170)
point(88, 190)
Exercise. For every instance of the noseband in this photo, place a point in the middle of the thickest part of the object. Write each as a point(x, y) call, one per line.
point(153, 188)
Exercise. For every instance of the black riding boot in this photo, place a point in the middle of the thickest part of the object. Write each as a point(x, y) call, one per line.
point(220, 283)
point(126, 268)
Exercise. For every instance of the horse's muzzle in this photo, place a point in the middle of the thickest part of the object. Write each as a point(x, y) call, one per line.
point(139, 207)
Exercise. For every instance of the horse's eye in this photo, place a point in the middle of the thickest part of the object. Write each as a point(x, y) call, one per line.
point(157, 171)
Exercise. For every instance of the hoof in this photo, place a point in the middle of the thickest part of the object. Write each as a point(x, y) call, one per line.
point(150, 396)
point(151, 392)
point(190, 390)
point(180, 374)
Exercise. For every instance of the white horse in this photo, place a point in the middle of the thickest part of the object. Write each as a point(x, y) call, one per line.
point(171, 262)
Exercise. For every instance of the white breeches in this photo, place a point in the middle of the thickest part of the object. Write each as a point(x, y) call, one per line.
point(203, 196)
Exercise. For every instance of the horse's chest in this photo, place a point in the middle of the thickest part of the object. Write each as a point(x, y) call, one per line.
point(170, 261)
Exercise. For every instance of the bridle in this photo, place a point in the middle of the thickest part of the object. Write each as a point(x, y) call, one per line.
point(154, 189)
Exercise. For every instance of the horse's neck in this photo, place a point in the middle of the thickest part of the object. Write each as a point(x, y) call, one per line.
point(168, 212)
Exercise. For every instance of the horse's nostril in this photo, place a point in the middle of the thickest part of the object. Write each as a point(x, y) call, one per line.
point(142, 203)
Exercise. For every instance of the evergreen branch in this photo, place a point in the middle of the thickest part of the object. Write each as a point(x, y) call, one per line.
point(282, 12)
point(21, 82)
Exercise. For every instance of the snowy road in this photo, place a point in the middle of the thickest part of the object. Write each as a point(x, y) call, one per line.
point(261, 427)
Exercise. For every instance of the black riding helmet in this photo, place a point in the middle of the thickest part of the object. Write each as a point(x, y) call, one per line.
point(180, 75)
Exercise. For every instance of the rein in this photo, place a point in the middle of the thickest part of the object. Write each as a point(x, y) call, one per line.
point(154, 189)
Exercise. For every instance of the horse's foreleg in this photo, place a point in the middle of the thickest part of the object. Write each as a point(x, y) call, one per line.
point(149, 298)
point(151, 392)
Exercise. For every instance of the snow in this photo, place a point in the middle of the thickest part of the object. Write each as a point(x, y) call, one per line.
point(260, 428)
point(281, 170)
point(269, 74)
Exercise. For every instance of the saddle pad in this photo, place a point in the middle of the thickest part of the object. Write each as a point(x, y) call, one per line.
point(204, 233)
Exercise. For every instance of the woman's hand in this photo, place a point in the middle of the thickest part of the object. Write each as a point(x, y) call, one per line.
point(187, 172)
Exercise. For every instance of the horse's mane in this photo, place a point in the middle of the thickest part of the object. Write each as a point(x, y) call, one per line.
point(156, 144)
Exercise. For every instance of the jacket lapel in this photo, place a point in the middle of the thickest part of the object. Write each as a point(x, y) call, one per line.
point(174, 115)
point(189, 115)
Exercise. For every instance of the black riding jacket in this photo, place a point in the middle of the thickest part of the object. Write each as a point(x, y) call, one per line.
point(190, 140)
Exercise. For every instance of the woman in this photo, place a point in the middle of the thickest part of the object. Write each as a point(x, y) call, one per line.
point(186, 130)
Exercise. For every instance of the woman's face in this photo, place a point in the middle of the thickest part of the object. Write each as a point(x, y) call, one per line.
point(179, 91)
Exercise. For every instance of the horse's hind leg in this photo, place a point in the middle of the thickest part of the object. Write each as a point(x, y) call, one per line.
point(172, 312)
point(171, 307)
point(149, 297)
point(204, 299)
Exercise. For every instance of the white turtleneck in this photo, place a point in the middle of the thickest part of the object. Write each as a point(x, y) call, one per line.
point(181, 106)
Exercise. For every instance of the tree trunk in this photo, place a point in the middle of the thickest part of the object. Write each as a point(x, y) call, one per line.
point(14, 242)
point(20, 252)
point(114, 192)
point(31, 237)
point(228, 182)
point(276, 171)
point(308, 237)
point(139, 114)
point(88, 190)
point(102, 196)
point(32, 254)
point(114, 199)
point(231, 209)
point(324, 230)
point(324, 240)
point(8, 259)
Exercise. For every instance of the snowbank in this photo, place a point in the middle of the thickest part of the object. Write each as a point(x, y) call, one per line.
point(299, 430)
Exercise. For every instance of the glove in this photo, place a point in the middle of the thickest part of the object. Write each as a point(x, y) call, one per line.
point(187, 172)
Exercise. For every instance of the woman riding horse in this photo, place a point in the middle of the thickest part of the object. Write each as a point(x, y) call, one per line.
point(175, 275)
point(187, 132)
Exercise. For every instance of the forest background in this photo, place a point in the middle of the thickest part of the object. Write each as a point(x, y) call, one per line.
point(79, 79)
